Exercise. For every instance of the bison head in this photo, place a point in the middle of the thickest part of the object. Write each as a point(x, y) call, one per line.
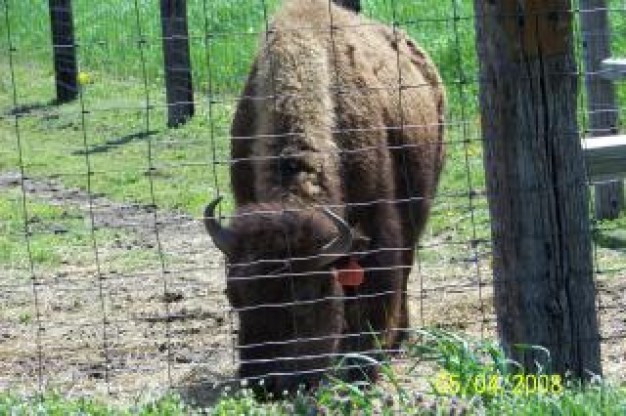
point(281, 281)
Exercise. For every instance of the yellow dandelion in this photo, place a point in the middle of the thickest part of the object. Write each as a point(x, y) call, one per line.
point(83, 78)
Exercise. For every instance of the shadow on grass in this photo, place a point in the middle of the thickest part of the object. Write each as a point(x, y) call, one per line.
point(112, 144)
point(25, 109)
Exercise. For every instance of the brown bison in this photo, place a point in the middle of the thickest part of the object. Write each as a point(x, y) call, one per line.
point(337, 145)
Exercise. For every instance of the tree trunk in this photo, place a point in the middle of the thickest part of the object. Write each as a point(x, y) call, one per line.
point(601, 104)
point(538, 198)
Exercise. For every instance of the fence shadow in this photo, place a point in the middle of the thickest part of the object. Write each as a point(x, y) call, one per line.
point(25, 109)
point(115, 143)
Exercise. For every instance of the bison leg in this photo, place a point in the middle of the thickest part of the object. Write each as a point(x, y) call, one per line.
point(407, 261)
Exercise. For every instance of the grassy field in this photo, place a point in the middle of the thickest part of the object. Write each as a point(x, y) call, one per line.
point(111, 148)
point(223, 35)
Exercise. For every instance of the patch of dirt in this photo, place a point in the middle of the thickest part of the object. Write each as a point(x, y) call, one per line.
point(109, 327)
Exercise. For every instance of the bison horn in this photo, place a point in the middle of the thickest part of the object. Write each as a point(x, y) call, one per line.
point(222, 237)
point(340, 245)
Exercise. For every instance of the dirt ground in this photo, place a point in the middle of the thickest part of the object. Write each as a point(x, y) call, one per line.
point(137, 328)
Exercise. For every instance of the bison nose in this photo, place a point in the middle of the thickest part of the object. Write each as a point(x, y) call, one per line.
point(288, 385)
point(283, 385)
point(262, 387)
point(274, 387)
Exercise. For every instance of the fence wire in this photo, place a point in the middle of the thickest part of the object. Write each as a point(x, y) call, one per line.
point(108, 281)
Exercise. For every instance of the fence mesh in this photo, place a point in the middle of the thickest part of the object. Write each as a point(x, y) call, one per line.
point(109, 283)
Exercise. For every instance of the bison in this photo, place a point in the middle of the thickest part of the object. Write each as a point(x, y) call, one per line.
point(337, 147)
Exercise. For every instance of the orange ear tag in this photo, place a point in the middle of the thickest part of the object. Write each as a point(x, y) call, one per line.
point(351, 274)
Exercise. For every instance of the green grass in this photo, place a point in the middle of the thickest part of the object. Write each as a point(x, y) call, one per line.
point(116, 143)
point(223, 35)
point(612, 233)
point(57, 405)
point(458, 369)
point(109, 37)
point(57, 234)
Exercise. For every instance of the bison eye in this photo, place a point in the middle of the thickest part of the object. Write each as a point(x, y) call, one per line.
point(289, 167)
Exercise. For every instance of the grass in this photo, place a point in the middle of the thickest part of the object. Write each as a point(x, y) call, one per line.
point(223, 35)
point(610, 242)
point(123, 149)
point(459, 367)
point(56, 234)
point(54, 404)
point(223, 38)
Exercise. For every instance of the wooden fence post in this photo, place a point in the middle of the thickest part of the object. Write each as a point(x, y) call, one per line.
point(178, 84)
point(601, 104)
point(64, 49)
point(542, 261)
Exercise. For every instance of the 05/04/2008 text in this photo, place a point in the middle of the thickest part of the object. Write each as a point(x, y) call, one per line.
point(494, 384)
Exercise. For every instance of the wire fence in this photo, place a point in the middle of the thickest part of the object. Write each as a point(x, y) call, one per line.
point(109, 283)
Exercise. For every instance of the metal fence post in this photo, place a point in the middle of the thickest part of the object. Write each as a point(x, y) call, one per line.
point(178, 83)
point(64, 49)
